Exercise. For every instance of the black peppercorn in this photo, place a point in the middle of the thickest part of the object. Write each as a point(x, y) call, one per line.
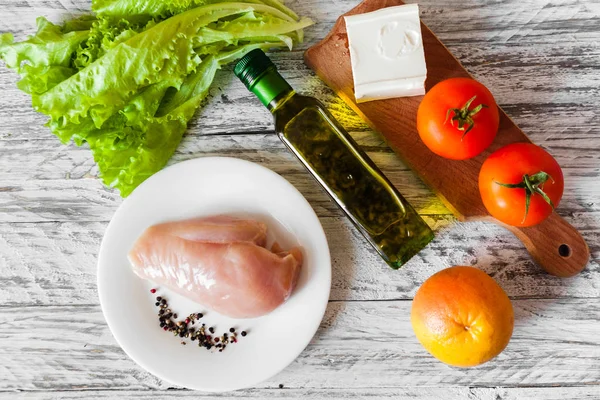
point(244, 333)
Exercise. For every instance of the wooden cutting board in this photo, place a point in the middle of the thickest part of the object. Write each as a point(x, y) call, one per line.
point(554, 244)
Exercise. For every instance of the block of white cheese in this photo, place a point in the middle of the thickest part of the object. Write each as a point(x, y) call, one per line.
point(386, 53)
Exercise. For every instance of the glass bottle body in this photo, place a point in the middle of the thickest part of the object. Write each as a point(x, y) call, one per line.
point(352, 180)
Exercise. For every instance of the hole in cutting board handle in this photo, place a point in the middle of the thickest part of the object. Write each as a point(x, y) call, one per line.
point(564, 250)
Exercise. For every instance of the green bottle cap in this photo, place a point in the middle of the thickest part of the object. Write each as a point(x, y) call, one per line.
point(252, 66)
point(258, 73)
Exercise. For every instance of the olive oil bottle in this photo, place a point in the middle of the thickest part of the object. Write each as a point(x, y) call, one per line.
point(330, 154)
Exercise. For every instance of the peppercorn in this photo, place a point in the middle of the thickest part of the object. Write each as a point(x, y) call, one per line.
point(168, 322)
point(281, 386)
point(152, 291)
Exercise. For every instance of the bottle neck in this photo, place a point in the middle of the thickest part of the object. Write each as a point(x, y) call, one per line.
point(271, 89)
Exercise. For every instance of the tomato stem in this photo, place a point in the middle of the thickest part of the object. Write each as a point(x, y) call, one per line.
point(464, 116)
point(533, 184)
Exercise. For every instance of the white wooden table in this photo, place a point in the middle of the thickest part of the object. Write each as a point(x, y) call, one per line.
point(540, 58)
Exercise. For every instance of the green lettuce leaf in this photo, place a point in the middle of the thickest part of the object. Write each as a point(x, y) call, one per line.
point(44, 60)
point(104, 34)
point(167, 8)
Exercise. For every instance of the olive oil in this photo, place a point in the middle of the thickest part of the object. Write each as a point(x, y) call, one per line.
point(334, 159)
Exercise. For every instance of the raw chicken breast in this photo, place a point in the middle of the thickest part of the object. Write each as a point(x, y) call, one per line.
point(219, 262)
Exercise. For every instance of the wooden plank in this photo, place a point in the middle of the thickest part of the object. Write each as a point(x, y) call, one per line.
point(44, 181)
point(41, 180)
point(473, 21)
point(274, 393)
point(557, 91)
point(359, 345)
point(55, 263)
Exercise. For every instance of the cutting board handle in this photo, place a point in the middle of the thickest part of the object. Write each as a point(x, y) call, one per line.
point(555, 245)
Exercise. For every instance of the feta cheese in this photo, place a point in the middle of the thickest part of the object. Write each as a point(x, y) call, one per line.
point(386, 53)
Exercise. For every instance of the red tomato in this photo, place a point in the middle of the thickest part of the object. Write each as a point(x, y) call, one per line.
point(458, 118)
point(515, 172)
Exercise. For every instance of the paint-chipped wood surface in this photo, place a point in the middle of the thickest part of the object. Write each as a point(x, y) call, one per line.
point(540, 58)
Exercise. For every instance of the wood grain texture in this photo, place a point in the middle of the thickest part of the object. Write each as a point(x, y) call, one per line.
point(359, 344)
point(540, 59)
point(50, 167)
point(455, 182)
point(274, 393)
point(55, 263)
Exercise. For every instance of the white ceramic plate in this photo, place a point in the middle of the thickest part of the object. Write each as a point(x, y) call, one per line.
point(203, 187)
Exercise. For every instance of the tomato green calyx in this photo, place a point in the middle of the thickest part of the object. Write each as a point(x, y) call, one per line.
point(533, 184)
point(464, 116)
